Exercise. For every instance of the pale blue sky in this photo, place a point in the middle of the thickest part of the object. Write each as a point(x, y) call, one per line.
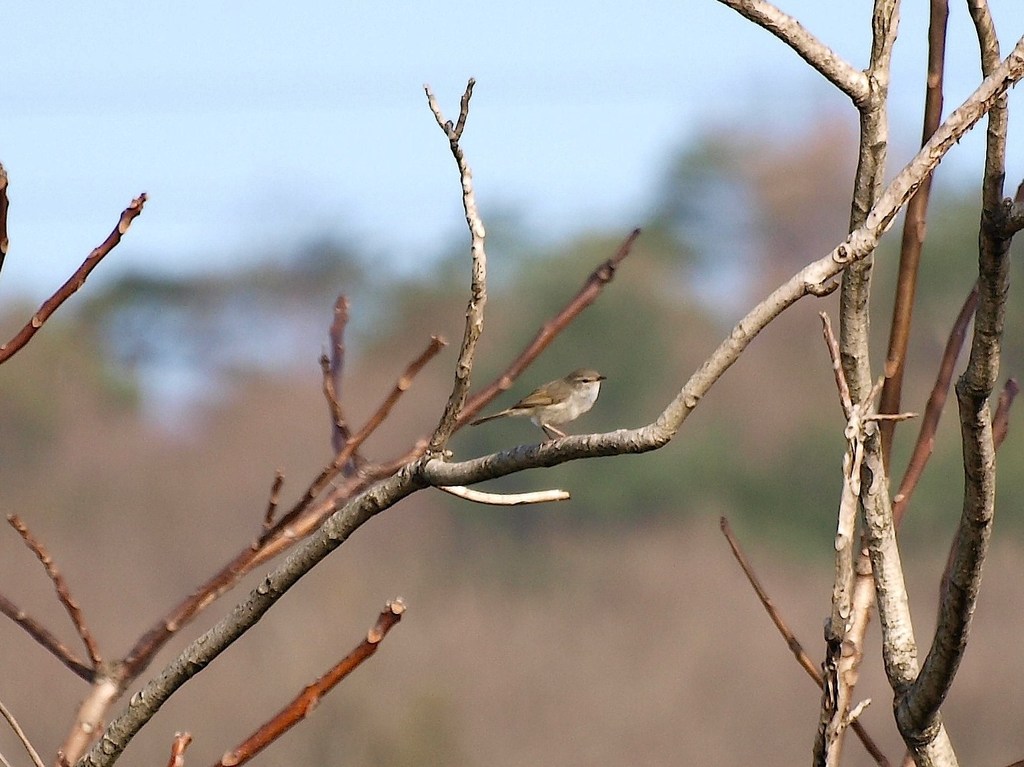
point(252, 127)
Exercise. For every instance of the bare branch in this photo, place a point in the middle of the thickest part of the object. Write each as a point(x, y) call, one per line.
point(913, 230)
point(833, 67)
point(273, 501)
point(933, 410)
point(76, 281)
point(46, 638)
point(332, 370)
point(20, 733)
point(919, 707)
point(478, 284)
point(60, 586)
point(301, 706)
point(499, 499)
point(429, 470)
point(281, 536)
point(5, 205)
point(795, 647)
point(354, 443)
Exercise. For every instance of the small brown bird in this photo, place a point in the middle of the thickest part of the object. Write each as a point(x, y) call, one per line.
point(556, 402)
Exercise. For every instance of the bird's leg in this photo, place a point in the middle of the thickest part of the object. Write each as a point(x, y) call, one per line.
point(549, 430)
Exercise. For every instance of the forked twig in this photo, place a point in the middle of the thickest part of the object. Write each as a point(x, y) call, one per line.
point(74, 282)
point(353, 444)
point(302, 705)
point(61, 587)
point(478, 282)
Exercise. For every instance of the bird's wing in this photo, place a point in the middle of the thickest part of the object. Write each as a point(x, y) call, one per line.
point(537, 399)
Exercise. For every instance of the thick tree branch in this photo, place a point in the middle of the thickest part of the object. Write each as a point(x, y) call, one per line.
point(335, 531)
point(961, 588)
point(833, 67)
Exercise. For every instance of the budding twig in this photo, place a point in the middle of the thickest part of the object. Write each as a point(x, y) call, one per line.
point(74, 282)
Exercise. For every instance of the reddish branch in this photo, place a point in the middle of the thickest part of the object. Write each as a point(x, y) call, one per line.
point(341, 459)
point(913, 232)
point(332, 366)
point(273, 501)
point(933, 410)
point(1001, 420)
point(280, 537)
point(791, 641)
point(4, 205)
point(61, 587)
point(74, 282)
point(301, 706)
point(591, 289)
point(287, 530)
point(46, 638)
point(181, 742)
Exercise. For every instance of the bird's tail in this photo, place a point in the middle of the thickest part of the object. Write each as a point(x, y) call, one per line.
point(487, 418)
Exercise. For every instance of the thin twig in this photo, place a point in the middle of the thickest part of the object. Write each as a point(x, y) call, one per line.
point(20, 733)
point(1001, 420)
point(353, 444)
point(340, 431)
point(5, 204)
point(74, 282)
point(299, 522)
point(794, 645)
point(478, 282)
point(933, 410)
point(302, 705)
point(46, 638)
point(61, 587)
point(500, 499)
point(273, 501)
